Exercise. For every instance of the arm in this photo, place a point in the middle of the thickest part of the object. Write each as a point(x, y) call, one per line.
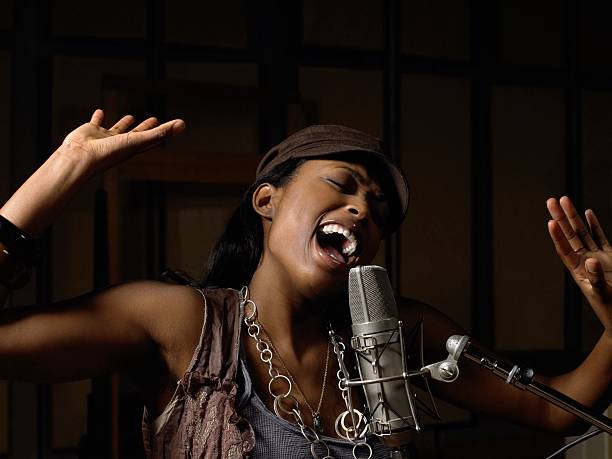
point(587, 254)
point(589, 259)
point(101, 332)
point(86, 151)
point(124, 328)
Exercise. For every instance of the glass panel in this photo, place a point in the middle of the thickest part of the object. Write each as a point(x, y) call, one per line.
point(112, 19)
point(207, 23)
point(436, 28)
point(226, 125)
point(597, 169)
point(435, 240)
point(344, 23)
point(532, 32)
point(528, 167)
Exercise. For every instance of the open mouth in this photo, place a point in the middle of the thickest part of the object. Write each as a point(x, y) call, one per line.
point(337, 242)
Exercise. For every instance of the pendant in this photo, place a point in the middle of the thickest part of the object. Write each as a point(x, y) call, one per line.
point(317, 422)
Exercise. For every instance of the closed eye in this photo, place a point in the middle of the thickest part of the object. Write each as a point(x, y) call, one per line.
point(341, 186)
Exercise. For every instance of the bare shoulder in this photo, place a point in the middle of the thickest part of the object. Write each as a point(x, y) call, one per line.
point(170, 315)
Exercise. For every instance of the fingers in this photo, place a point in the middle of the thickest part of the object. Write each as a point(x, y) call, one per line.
point(144, 139)
point(565, 251)
point(595, 275)
point(147, 124)
point(97, 117)
point(596, 230)
point(576, 233)
point(123, 124)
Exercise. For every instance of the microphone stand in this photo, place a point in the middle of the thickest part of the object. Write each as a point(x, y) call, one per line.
point(524, 380)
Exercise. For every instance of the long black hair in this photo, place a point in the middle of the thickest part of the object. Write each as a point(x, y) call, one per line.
point(236, 254)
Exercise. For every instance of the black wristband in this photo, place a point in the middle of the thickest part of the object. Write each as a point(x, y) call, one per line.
point(14, 273)
point(19, 243)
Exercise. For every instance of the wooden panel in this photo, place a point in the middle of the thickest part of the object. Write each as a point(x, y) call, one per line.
point(5, 431)
point(595, 36)
point(207, 23)
point(113, 19)
point(5, 140)
point(77, 83)
point(195, 218)
point(532, 33)
point(227, 123)
point(6, 15)
point(436, 28)
point(435, 238)
point(347, 97)
point(528, 167)
point(345, 23)
point(171, 165)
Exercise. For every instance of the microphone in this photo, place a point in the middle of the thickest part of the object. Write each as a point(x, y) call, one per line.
point(381, 357)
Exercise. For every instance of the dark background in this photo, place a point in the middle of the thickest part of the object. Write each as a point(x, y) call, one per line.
point(490, 107)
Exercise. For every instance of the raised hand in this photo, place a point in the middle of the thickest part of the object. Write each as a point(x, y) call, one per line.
point(101, 148)
point(587, 254)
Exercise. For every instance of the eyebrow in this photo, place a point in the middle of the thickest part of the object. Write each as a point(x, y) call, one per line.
point(361, 179)
point(356, 175)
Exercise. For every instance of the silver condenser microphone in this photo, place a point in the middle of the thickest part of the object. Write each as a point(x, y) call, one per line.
point(381, 357)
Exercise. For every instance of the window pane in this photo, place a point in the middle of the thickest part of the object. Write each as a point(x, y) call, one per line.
point(528, 167)
point(435, 146)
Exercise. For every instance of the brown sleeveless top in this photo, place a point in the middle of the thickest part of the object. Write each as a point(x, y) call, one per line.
point(201, 419)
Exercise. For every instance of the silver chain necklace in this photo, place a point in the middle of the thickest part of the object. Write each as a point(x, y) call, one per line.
point(317, 421)
point(287, 404)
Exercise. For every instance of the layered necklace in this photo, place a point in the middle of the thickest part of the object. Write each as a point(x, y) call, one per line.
point(287, 404)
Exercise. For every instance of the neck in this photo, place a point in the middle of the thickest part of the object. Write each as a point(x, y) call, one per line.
point(294, 322)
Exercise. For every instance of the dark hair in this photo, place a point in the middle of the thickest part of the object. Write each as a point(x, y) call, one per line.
point(236, 254)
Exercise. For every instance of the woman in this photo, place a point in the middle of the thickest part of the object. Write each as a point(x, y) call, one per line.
point(316, 209)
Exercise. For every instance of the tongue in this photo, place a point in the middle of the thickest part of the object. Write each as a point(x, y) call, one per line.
point(333, 252)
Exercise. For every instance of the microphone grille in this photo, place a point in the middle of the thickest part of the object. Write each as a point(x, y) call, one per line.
point(370, 294)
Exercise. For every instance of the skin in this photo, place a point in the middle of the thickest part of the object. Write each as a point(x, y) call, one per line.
point(129, 328)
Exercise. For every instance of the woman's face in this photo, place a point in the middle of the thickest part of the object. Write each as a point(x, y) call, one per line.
point(329, 218)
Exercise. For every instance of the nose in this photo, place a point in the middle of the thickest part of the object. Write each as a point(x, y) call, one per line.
point(359, 208)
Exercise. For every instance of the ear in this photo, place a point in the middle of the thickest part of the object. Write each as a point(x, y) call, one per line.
point(264, 200)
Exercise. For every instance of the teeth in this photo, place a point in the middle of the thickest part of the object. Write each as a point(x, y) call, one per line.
point(347, 249)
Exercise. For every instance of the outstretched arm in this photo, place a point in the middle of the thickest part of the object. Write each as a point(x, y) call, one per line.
point(588, 256)
point(86, 151)
point(116, 329)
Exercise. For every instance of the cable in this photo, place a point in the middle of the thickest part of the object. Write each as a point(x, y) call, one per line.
point(578, 440)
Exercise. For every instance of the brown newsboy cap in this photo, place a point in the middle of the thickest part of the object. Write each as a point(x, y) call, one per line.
point(320, 141)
